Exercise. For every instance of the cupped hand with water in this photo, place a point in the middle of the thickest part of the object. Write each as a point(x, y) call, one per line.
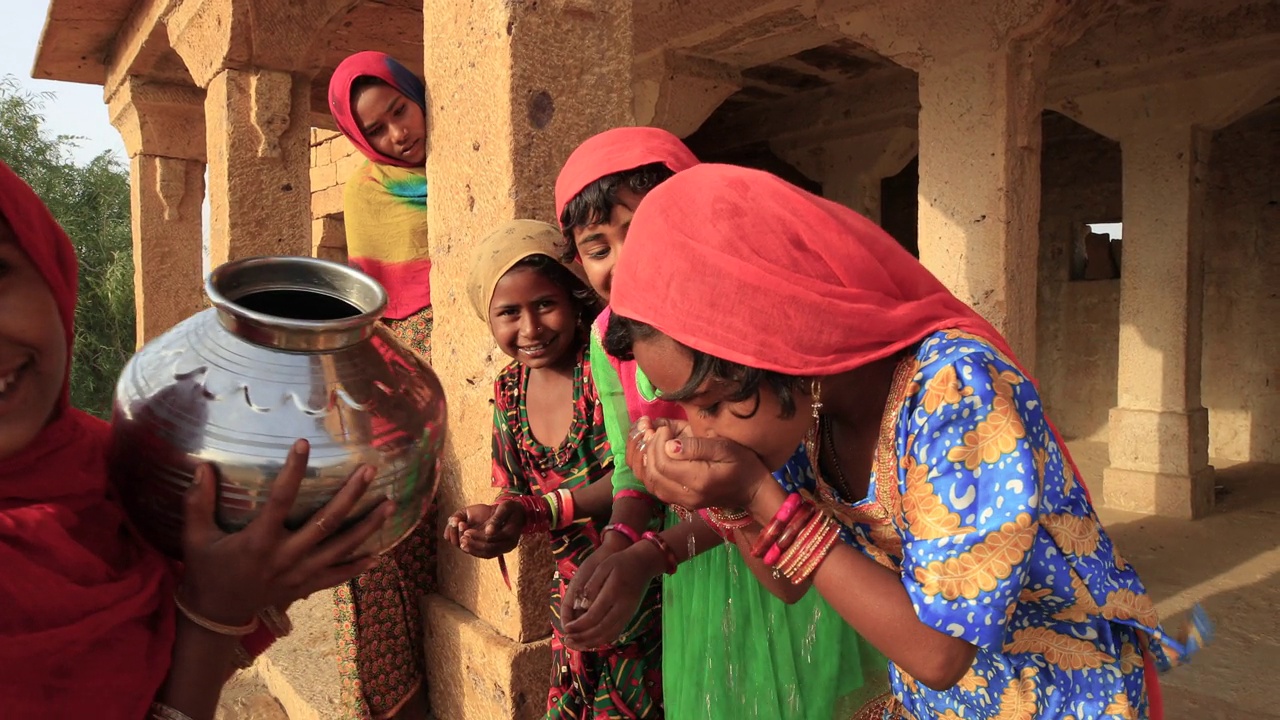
point(611, 596)
point(486, 531)
point(701, 472)
point(230, 577)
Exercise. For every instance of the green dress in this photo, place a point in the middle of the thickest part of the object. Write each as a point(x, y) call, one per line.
point(731, 649)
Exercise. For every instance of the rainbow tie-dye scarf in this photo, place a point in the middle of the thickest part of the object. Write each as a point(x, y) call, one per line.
point(385, 213)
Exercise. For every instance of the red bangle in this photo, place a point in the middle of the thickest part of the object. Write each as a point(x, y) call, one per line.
point(672, 562)
point(776, 526)
point(633, 494)
point(789, 534)
point(624, 530)
point(537, 513)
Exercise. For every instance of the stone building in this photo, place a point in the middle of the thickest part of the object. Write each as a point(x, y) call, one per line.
point(995, 138)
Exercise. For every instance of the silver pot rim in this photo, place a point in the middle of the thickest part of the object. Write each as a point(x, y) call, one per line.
point(229, 282)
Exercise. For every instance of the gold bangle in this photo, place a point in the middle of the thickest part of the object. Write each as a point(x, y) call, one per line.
point(216, 627)
point(160, 711)
point(277, 622)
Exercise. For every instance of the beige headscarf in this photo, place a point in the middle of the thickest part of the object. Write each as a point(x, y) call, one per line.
point(502, 249)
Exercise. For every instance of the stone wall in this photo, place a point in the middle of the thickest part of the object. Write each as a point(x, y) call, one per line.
point(1079, 321)
point(333, 159)
point(1242, 291)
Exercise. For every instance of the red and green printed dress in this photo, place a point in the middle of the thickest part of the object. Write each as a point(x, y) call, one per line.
point(622, 681)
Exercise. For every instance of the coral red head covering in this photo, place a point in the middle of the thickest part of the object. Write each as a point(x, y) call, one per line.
point(747, 267)
point(86, 620)
point(376, 65)
point(615, 151)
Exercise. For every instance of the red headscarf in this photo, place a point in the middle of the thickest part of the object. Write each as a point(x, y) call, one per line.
point(86, 624)
point(615, 151)
point(747, 267)
point(798, 284)
point(376, 65)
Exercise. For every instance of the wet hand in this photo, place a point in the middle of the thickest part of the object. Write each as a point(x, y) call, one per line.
point(230, 577)
point(570, 604)
point(642, 435)
point(612, 596)
point(702, 472)
point(486, 531)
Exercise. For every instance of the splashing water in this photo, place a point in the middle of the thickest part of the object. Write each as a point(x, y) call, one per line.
point(811, 635)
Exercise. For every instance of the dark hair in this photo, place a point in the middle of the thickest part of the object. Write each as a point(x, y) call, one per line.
point(594, 203)
point(583, 297)
point(364, 82)
point(741, 381)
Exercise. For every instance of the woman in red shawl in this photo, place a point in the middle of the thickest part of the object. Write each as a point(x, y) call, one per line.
point(380, 106)
point(949, 526)
point(94, 623)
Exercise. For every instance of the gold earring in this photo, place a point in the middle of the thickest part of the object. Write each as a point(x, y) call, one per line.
point(815, 389)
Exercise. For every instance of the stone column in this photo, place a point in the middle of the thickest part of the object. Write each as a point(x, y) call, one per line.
point(851, 169)
point(511, 94)
point(982, 67)
point(163, 130)
point(255, 61)
point(980, 184)
point(1159, 430)
point(259, 170)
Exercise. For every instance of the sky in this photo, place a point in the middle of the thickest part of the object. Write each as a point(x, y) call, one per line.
point(77, 109)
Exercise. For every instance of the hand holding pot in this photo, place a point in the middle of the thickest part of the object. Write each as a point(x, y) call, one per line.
point(230, 577)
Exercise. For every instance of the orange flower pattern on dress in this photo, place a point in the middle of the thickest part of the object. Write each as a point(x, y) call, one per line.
point(1064, 651)
point(998, 433)
point(997, 544)
point(1018, 701)
point(929, 517)
point(983, 568)
point(1074, 534)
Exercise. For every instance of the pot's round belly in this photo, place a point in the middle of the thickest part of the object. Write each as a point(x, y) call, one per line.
point(201, 394)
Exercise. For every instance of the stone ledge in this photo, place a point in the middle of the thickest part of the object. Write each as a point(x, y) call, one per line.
point(474, 673)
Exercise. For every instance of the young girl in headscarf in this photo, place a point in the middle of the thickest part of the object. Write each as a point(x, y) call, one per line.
point(810, 665)
point(950, 526)
point(94, 623)
point(380, 106)
point(551, 460)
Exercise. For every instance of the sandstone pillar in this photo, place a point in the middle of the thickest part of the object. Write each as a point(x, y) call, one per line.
point(981, 67)
point(259, 170)
point(1159, 431)
point(255, 61)
point(511, 94)
point(162, 126)
point(980, 184)
point(851, 169)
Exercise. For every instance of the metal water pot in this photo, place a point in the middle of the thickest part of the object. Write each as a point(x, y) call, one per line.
point(292, 348)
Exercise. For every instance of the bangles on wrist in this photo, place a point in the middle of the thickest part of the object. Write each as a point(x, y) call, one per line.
point(668, 555)
point(796, 541)
point(624, 530)
point(724, 522)
point(214, 626)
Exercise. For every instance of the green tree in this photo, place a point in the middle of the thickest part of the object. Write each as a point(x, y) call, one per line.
point(91, 202)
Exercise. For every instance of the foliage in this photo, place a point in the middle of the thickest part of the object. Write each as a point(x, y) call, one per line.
point(91, 202)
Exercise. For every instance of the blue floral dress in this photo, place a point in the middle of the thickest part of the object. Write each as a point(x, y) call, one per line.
point(998, 544)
